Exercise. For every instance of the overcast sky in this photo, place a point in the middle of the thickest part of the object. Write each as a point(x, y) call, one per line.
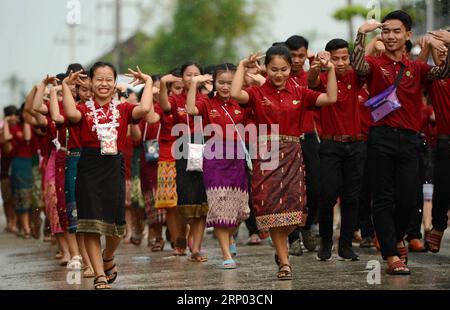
point(34, 33)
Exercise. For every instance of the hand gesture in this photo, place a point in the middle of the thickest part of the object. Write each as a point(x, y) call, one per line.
point(75, 78)
point(138, 77)
point(441, 35)
point(170, 78)
point(202, 78)
point(380, 48)
point(370, 25)
point(258, 78)
point(50, 80)
point(252, 60)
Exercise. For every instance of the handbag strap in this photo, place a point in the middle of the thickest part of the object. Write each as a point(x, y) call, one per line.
point(189, 128)
point(237, 131)
point(400, 75)
point(145, 132)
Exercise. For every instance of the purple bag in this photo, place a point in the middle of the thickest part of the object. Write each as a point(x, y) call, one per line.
point(387, 101)
point(384, 103)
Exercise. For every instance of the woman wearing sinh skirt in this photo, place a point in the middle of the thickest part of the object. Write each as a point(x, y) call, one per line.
point(225, 178)
point(100, 181)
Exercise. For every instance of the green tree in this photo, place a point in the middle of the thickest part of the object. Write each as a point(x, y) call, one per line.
point(202, 30)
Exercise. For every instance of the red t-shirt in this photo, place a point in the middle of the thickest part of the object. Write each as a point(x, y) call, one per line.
point(166, 139)
point(439, 91)
point(212, 112)
point(383, 72)
point(20, 147)
point(178, 106)
point(74, 134)
point(301, 80)
point(285, 107)
point(89, 138)
point(341, 118)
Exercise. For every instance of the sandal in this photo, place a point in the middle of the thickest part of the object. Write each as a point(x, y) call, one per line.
point(254, 240)
point(75, 263)
point(198, 258)
point(228, 264)
point(284, 274)
point(433, 241)
point(403, 251)
point(398, 268)
point(110, 274)
point(180, 247)
point(101, 285)
point(88, 272)
point(158, 246)
point(233, 249)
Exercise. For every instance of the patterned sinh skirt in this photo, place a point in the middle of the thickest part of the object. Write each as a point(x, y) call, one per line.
point(226, 184)
point(71, 177)
point(37, 199)
point(50, 195)
point(22, 183)
point(279, 195)
point(60, 183)
point(166, 193)
point(100, 193)
point(191, 192)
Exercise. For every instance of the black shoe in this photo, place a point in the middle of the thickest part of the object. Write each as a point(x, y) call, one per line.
point(366, 242)
point(347, 254)
point(325, 251)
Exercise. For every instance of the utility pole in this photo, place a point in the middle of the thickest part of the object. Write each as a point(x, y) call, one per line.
point(15, 85)
point(350, 22)
point(117, 57)
point(430, 15)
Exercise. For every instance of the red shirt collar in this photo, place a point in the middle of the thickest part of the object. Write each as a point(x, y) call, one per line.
point(387, 60)
point(271, 89)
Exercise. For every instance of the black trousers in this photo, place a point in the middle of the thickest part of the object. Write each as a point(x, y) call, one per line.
point(310, 149)
point(393, 165)
point(365, 199)
point(441, 193)
point(414, 228)
point(340, 175)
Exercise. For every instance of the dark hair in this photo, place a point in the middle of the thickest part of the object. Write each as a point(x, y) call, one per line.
point(408, 46)
point(336, 44)
point(101, 64)
point(61, 77)
point(209, 69)
point(176, 72)
point(295, 42)
point(74, 68)
point(278, 43)
point(191, 63)
point(10, 110)
point(225, 67)
point(401, 16)
point(156, 77)
point(278, 50)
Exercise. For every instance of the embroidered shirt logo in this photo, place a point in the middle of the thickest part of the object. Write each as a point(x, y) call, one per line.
point(295, 102)
point(214, 113)
point(237, 112)
point(181, 111)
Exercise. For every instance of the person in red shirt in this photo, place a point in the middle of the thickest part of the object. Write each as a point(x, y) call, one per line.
point(11, 118)
point(298, 46)
point(439, 94)
point(225, 177)
point(21, 172)
point(340, 152)
point(191, 192)
point(393, 165)
point(278, 187)
point(100, 183)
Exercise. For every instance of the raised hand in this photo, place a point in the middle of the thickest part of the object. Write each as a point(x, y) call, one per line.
point(370, 25)
point(441, 35)
point(258, 78)
point(138, 77)
point(75, 78)
point(170, 78)
point(50, 80)
point(252, 60)
point(202, 78)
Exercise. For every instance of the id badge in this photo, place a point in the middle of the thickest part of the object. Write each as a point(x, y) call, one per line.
point(108, 146)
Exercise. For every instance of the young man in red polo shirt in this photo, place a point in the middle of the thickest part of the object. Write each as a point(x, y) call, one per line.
point(340, 152)
point(394, 140)
point(298, 47)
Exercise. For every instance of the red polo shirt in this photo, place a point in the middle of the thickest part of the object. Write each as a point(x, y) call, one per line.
point(341, 118)
point(212, 113)
point(165, 136)
point(20, 147)
point(364, 113)
point(178, 106)
point(301, 80)
point(383, 72)
point(74, 135)
point(89, 137)
point(439, 91)
point(284, 107)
